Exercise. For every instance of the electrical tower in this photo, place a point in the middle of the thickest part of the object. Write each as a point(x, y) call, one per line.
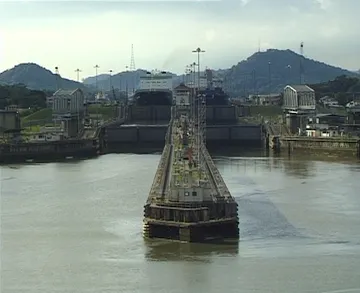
point(132, 60)
point(301, 63)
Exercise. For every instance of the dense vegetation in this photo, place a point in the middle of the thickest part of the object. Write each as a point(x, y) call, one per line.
point(37, 77)
point(22, 97)
point(343, 88)
point(271, 71)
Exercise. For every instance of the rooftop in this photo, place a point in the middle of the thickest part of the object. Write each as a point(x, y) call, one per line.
point(63, 92)
point(182, 86)
point(329, 115)
point(300, 88)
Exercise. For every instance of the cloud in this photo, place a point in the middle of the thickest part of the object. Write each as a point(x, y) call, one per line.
point(324, 4)
point(83, 33)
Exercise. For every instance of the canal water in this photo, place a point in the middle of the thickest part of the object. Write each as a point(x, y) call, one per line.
point(77, 227)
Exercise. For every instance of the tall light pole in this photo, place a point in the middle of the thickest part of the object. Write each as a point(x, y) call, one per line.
point(198, 51)
point(57, 77)
point(78, 74)
point(289, 74)
point(201, 128)
point(110, 71)
point(96, 74)
point(192, 81)
point(269, 77)
point(96, 85)
point(78, 103)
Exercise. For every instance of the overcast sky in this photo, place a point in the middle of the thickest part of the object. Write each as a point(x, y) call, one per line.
point(81, 34)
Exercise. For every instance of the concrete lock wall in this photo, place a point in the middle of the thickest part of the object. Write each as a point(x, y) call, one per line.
point(217, 133)
point(149, 113)
point(336, 144)
point(225, 113)
point(161, 113)
point(152, 134)
point(242, 132)
point(209, 114)
point(139, 113)
point(9, 120)
point(122, 134)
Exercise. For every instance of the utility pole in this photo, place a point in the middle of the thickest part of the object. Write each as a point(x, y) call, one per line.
point(78, 74)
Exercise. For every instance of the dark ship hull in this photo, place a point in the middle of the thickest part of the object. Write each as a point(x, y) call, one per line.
point(152, 98)
point(215, 96)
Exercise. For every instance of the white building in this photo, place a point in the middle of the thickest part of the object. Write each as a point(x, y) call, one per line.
point(192, 82)
point(299, 98)
point(156, 81)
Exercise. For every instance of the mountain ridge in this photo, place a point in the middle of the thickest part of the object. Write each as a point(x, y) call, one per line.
point(262, 72)
point(36, 77)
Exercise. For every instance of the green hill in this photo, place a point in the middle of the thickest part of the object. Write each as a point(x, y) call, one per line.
point(36, 77)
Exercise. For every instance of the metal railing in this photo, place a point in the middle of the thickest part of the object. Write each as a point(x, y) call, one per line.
point(162, 173)
point(215, 175)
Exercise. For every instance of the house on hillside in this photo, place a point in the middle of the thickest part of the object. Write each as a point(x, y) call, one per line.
point(327, 101)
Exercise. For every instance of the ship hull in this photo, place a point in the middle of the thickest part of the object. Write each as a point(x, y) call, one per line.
point(192, 223)
point(216, 231)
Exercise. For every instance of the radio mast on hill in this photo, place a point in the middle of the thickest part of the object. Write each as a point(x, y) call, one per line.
point(132, 60)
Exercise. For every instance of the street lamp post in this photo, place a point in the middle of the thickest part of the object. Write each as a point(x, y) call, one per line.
point(96, 74)
point(199, 105)
point(198, 51)
point(269, 77)
point(78, 74)
point(96, 85)
point(110, 71)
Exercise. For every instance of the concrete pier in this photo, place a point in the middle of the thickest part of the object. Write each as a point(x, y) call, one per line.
point(189, 200)
point(48, 150)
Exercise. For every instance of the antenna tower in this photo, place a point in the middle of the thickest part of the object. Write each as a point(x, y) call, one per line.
point(301, 63)
point(132, 60)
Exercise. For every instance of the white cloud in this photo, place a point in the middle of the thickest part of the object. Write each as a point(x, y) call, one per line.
point(244, 2)
point(324, 4)
point(210, 35)
point(163, 34)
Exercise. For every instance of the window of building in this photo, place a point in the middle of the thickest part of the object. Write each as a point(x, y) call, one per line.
point(194, 193)
point(186, 193)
